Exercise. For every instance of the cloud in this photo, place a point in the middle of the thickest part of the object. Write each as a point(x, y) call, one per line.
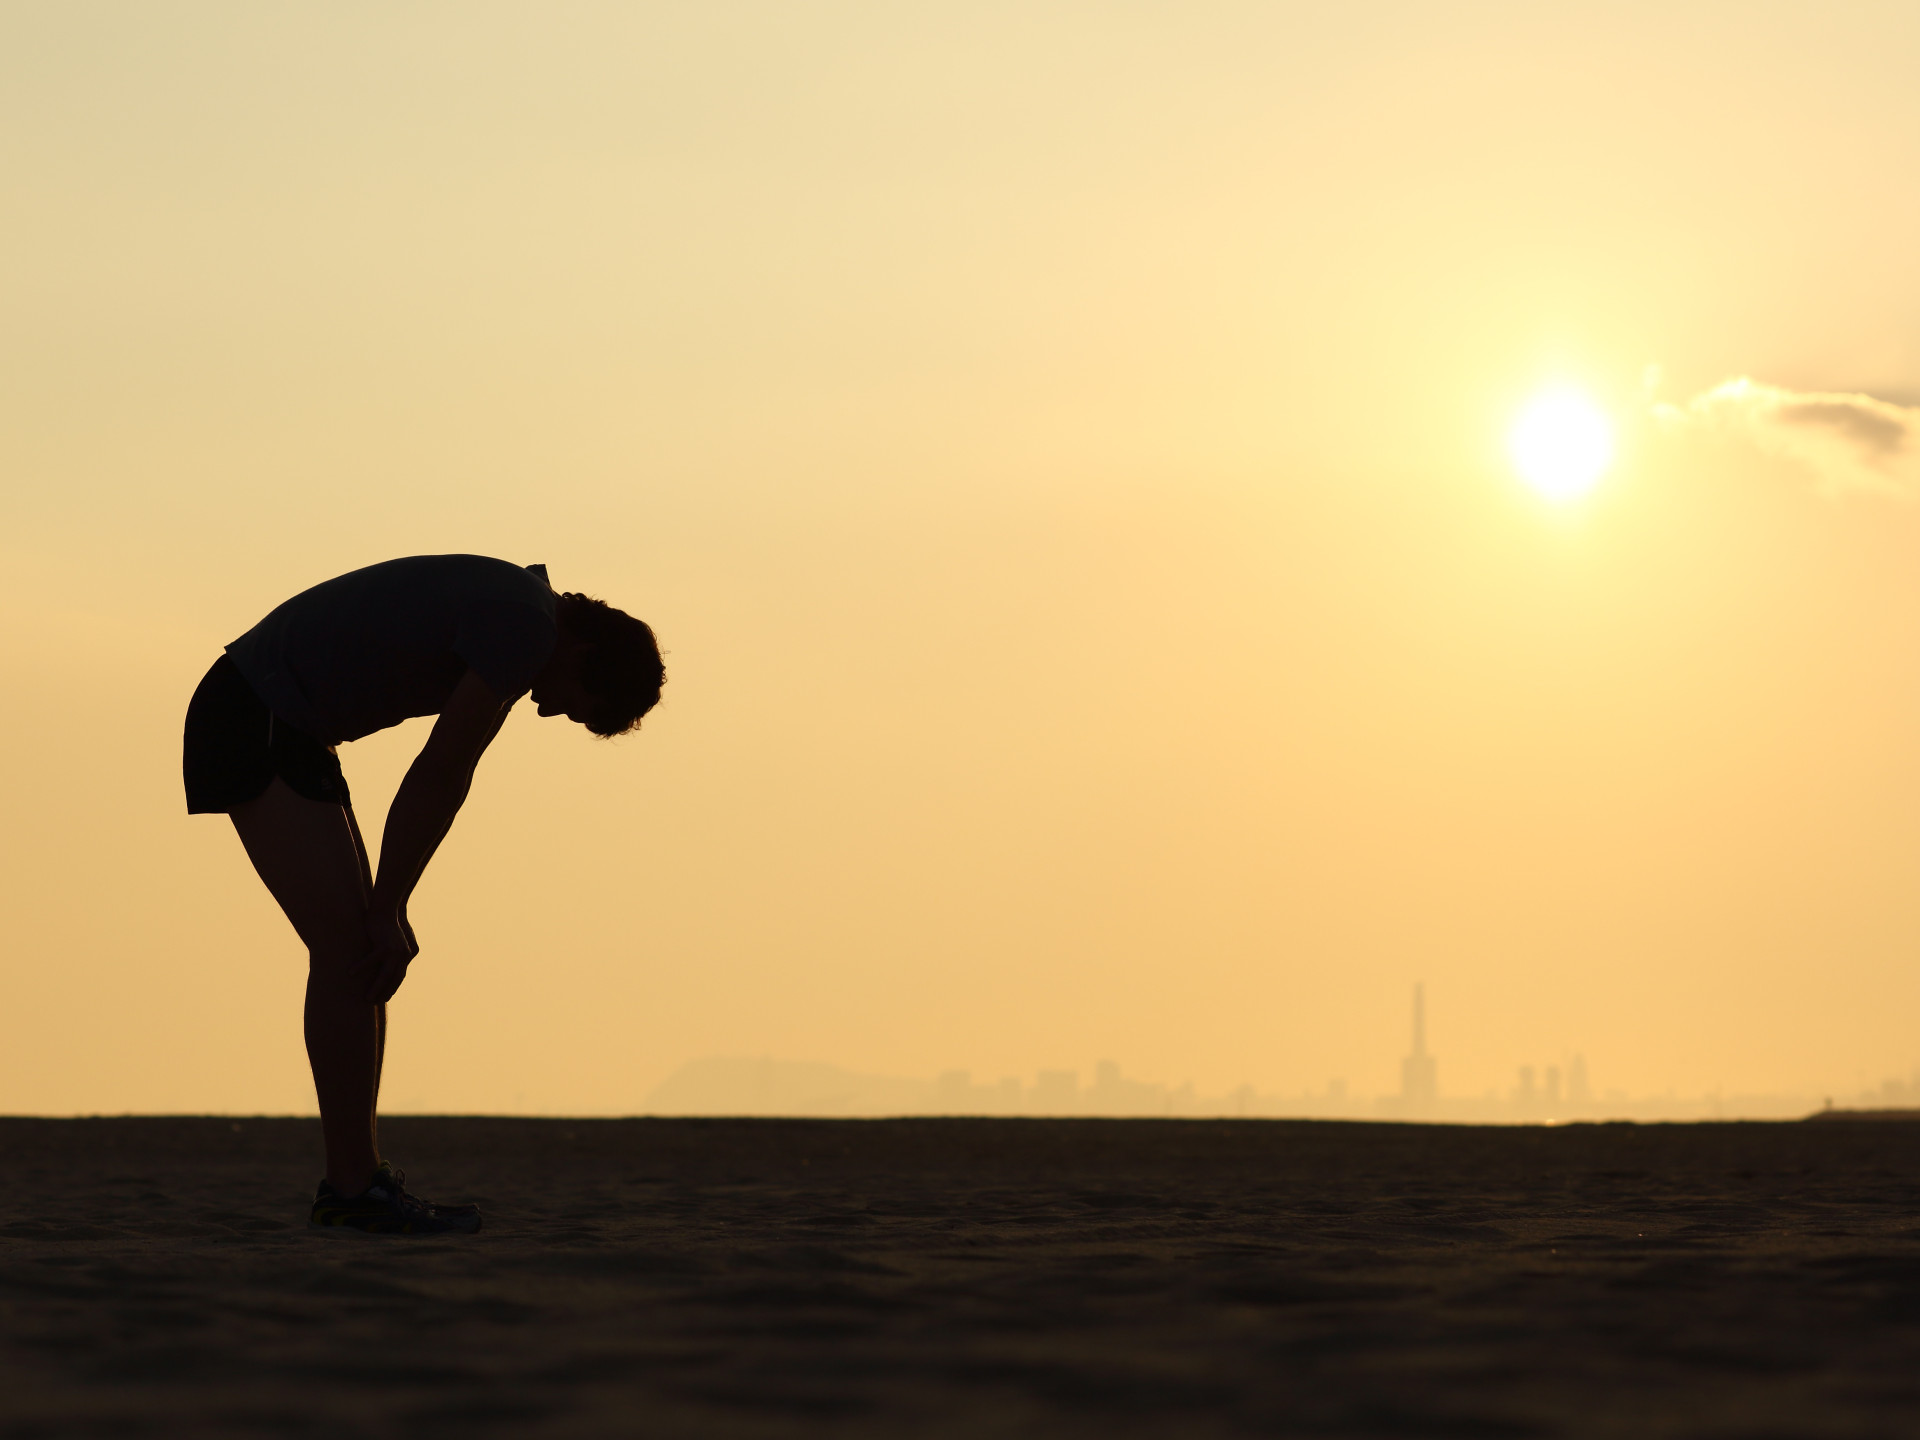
point(1849, 442)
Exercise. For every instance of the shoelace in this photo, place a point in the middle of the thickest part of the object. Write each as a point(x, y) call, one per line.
point(394, 1182)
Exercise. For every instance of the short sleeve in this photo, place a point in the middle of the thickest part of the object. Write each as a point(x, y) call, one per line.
point(506, 645)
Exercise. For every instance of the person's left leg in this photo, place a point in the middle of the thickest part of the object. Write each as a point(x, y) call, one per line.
point(307, 853)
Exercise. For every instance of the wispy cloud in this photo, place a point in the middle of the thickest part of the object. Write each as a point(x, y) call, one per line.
point(1848, 442)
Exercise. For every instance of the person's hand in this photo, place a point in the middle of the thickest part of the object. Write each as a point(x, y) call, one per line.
point(390, 948)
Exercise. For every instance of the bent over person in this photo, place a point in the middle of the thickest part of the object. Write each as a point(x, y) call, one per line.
point(461, 637)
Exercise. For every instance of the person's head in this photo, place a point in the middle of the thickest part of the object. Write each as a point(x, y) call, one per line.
point(605, 672)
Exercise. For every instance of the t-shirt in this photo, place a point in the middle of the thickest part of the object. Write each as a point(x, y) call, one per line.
point(377, 646)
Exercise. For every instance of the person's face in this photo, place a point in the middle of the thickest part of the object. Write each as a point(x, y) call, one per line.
point(557, 690)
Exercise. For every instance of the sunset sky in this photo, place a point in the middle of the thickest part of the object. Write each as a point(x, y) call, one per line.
point(1065, 451)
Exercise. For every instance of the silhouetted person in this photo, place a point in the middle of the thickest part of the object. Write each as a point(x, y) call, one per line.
point(461, 637)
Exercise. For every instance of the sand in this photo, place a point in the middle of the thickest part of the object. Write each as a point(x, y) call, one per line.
point(970, 1278)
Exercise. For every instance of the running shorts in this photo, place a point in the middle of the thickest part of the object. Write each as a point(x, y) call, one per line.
point(235, 746)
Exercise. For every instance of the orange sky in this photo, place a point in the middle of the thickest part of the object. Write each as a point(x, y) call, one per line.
point(1062, 451)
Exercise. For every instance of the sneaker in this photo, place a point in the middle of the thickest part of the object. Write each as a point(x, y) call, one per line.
point(385, 1208)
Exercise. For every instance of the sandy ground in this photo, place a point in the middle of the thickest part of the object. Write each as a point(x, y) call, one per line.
point(970, 1278)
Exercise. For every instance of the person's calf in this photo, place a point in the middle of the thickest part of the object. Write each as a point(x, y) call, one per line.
point(343, 1034)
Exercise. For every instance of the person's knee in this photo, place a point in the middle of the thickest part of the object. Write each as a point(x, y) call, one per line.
point(336, 960)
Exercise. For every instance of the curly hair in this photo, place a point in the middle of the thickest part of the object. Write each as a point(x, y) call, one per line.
point(621, 669)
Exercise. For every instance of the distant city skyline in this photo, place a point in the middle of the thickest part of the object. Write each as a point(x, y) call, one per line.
point(1540, 1094)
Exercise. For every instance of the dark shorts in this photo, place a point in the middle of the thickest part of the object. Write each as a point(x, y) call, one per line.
point(235, 746)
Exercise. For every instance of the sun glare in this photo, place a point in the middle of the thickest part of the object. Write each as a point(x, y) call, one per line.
point(1561, 444)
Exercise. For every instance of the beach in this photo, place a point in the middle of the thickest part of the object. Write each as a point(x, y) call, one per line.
point(969, 1277)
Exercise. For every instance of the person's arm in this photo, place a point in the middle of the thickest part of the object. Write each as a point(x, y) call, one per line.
point(423, 809)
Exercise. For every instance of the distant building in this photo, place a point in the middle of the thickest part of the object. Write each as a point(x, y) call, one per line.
point(1419, 1072)
point(1114, 1094)
point(1056, 1092)
point(953, 1093)
point(1578, 1090)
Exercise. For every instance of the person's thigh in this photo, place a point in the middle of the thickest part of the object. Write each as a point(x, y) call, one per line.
point(309, 855)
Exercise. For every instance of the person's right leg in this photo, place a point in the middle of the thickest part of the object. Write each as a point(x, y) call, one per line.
point(308, 855)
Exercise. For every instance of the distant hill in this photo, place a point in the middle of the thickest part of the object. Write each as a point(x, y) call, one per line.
point(735, 1086)
point(785, 1087)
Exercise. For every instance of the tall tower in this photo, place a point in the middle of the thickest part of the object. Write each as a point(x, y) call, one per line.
point(1419, 1073)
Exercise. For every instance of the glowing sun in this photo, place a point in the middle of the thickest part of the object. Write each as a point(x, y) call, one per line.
point(1561, 444)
